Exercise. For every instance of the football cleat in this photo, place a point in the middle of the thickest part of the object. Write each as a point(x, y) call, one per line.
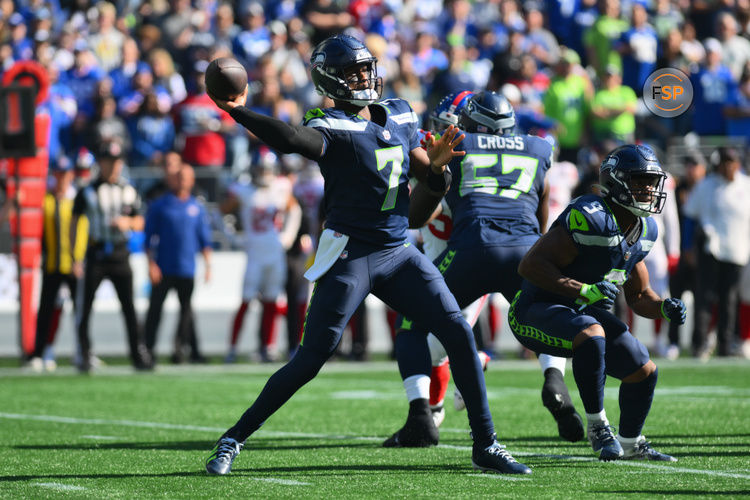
point(603, 441)
point(458, 400)
point(642, 450)
point(556, 399)
point(417, 432)
point(495, 458)
point(438, 415)
point(220, 460)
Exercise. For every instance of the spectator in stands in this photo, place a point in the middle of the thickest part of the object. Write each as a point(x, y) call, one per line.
point(506, 67)
point(107, 126)
point(165, 75)
point(223, 28)
point(106, 40)
point(601, 38)
point(670, 53)
point(254, 40)
point(613, 109)
point(21, 44)
point(176, 229)
point(122, 75)
point(152, 132)
point(532, 82)
point(457, 77)
point(638, 49)
point(201, 124)
point(528, 120)
point(719, 206)
point(428, 58)
point(666, 18)
point(736, 49)
point(112, 207)
point(712, 86)
point(458, 26)
point(544, 46)
point(326, 17)
point(566, 101)
point(83, 76)
point(64, 241)
point(690, 46)
point(62, 108)
point(143, 83)
point(683, 277)
point(737, 108)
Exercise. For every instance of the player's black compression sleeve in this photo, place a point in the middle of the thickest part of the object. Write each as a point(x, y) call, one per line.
point(279, 135)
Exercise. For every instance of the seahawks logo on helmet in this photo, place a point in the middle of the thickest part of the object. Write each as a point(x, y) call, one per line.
point(333, 63)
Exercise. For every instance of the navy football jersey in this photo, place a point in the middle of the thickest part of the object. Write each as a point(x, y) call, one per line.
point(603, 251)
point(366, 171)
point(496, 189)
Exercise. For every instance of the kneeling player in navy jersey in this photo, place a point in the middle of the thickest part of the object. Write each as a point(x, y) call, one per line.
point(571, 277)
point(367, 151)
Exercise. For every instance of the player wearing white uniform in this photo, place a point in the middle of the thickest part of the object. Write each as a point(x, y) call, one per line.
point(666, 250)
point(270, 218)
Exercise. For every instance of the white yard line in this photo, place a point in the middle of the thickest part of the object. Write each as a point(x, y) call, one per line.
point(159, 425)
point(504, 477)
point(101, 438)
point(287, 482)
point(60, 486)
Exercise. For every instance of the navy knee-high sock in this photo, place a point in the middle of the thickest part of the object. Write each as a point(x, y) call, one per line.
point(412, 354)
point(588, 371)
point(635, 403)
point(458, 339)
point(280, 387)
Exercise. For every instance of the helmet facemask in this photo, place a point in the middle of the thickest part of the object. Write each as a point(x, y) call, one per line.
point(640, 192)
point(346, 85)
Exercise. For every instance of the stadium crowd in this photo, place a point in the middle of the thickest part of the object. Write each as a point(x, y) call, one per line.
point(131, 73)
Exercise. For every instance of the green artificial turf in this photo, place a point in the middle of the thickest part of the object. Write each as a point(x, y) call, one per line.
point(119, 434)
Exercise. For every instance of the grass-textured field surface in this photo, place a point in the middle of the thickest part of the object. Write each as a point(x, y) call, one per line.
point(116, 434)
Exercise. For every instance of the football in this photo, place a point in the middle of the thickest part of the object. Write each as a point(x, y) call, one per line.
point(226, 78)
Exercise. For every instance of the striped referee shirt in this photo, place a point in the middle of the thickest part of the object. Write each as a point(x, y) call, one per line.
point(102, 203)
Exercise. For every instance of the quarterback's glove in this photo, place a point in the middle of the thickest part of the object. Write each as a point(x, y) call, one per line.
point(674, 310)
point(600, 294)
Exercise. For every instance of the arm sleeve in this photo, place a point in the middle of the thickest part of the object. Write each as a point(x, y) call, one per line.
point(279, 135)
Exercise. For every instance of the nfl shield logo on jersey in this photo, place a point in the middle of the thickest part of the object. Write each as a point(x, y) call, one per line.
point(386, 135)
point(627, 255)
point(344, 254)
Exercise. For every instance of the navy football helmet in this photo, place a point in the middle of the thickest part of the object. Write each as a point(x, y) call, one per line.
point(447, 111)
point(488, 113)
point(632, 177)
point(332, 66)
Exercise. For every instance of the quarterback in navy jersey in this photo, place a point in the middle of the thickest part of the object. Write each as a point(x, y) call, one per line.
point(498, 201)
point(367, 151)
point(571, 278)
